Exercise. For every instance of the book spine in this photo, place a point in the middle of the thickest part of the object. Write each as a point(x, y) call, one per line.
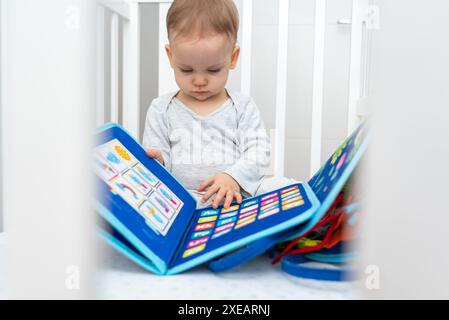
point(180, 245)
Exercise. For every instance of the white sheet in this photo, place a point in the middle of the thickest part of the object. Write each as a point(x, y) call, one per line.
point(119, 278)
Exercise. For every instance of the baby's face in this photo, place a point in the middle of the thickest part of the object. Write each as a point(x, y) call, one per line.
point(202, 65)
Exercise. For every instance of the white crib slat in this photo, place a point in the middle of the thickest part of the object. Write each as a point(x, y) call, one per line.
point(247, 24)
point(100, 109)
point(115, 30)
point(131, 73)
point(317, 94)
point(119, 7)
point(281, 89)
point(359, 11)
point(3, 115)
point(166, 80)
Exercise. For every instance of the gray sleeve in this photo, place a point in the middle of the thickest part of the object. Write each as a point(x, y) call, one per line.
point(254, 146)
point(155, 135)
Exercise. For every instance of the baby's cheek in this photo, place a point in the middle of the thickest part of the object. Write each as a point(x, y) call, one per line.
point(222, 80)
point(181, 80)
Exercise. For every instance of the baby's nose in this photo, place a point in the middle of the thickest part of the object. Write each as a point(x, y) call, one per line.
point(200, 81)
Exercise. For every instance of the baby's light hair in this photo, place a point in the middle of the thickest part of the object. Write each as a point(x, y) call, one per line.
point(202, 18)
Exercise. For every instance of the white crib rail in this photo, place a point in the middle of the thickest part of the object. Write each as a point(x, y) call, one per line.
point(124, 21)
point(126, 14)
point(2, 104)
point(281, 90)
point(318, 82)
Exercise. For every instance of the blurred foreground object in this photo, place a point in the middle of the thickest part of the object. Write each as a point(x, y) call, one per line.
point(406, 169)
point(50, 99)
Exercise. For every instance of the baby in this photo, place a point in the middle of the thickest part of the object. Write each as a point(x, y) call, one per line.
point(211, 139)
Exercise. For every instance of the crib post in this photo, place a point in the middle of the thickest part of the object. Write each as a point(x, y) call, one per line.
point(131, 74)
point(245, 65)
point(166, 81)
point(115, 65)
point(318, 80)
point(358, 61)
point(100, 109)
point(3, 122)
point(281, 89)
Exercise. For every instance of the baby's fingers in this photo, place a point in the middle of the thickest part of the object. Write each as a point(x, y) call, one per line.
point(238, 197)
point(230, 195)
point(229, 198)
point(210, 192)
point(155, 154)
point(219, 197)
point(206, 183)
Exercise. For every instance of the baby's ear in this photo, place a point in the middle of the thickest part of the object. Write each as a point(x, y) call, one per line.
point(169, 53)
point(235, 56)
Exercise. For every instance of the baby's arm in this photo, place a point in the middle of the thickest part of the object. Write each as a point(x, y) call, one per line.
point(246, 173)
point(155, 135)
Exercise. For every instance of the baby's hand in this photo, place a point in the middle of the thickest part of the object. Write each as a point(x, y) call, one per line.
point(155, 154)
point(225, 186)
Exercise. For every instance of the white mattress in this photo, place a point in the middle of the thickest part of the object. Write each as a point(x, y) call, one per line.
point(119, 278)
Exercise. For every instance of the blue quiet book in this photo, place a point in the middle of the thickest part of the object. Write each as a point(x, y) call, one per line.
point(147, 215)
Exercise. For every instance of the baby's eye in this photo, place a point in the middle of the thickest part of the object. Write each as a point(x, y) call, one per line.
point(185, 70)
point(214, 70)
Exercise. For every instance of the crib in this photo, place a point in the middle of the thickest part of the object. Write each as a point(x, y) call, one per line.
point(314, 54)
point(315, 58)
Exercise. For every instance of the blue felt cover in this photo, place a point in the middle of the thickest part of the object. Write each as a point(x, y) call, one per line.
point(191, 236)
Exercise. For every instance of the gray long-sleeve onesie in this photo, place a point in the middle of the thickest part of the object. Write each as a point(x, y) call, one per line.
point(232, 139)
